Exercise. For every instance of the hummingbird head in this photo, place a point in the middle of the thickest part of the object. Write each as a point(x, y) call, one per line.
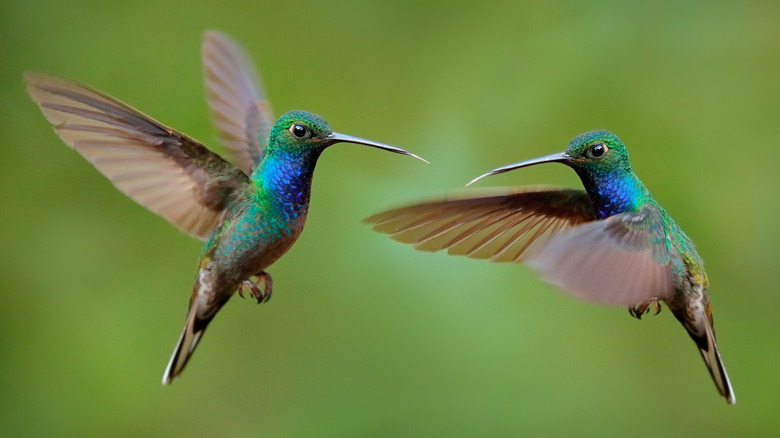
point(299, 131)
point(593, 152)
point(306, 133)
point(597, 151)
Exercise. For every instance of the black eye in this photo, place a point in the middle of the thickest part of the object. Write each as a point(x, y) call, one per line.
point(597, 150)
point(299, 131)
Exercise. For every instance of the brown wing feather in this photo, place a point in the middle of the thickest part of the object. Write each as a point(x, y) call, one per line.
point(502, 227)
point(239, 108)
point(162, 169)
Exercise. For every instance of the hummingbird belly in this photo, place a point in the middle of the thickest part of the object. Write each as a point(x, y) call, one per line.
point(251, 244)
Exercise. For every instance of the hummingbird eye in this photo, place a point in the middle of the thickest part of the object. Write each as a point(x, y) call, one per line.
point(597, 150)
point(300, 131)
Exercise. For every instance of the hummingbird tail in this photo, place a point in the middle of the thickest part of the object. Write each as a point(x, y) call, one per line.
point(185, 347)
point(709, 352)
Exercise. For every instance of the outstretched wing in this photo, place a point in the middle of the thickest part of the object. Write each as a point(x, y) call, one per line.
point(239, 108)
point(504, 227)
point(162, 169)
point(622, 260)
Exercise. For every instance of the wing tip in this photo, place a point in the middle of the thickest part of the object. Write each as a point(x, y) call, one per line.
point(35, 82)
point(215, 35)
point(31, 76)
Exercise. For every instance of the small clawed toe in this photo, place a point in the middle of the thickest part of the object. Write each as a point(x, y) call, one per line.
point(260, 295)
point(641, 309)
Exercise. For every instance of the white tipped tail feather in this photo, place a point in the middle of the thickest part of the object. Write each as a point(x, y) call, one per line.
point(711, 357)
point(185, 347)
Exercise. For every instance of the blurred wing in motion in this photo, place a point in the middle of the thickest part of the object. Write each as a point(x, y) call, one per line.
point(622, 260)
point(160, 168)
point(239, 108)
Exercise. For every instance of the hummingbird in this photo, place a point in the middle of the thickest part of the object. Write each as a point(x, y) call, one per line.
point(249, 210)
point(611, 243)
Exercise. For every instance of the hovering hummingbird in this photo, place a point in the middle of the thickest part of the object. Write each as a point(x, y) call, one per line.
point(611, 243)
point(248, 213)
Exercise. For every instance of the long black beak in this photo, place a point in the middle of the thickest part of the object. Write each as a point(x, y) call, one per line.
point(554, 158)
point(335, 137)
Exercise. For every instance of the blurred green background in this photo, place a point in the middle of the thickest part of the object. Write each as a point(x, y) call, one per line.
point(366, 337)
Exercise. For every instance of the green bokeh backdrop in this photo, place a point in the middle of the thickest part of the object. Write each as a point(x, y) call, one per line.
point(364, 336)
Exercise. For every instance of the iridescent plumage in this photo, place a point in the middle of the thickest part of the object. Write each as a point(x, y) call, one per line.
point(249, 213)
point(611, 243)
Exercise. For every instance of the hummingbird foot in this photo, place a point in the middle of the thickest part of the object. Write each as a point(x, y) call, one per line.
point(261, 295)
point(641, 309)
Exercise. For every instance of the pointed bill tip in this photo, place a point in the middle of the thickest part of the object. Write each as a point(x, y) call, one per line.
point(418, 157)
point(480, 177)
point(343, 138)
point(560, 157)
